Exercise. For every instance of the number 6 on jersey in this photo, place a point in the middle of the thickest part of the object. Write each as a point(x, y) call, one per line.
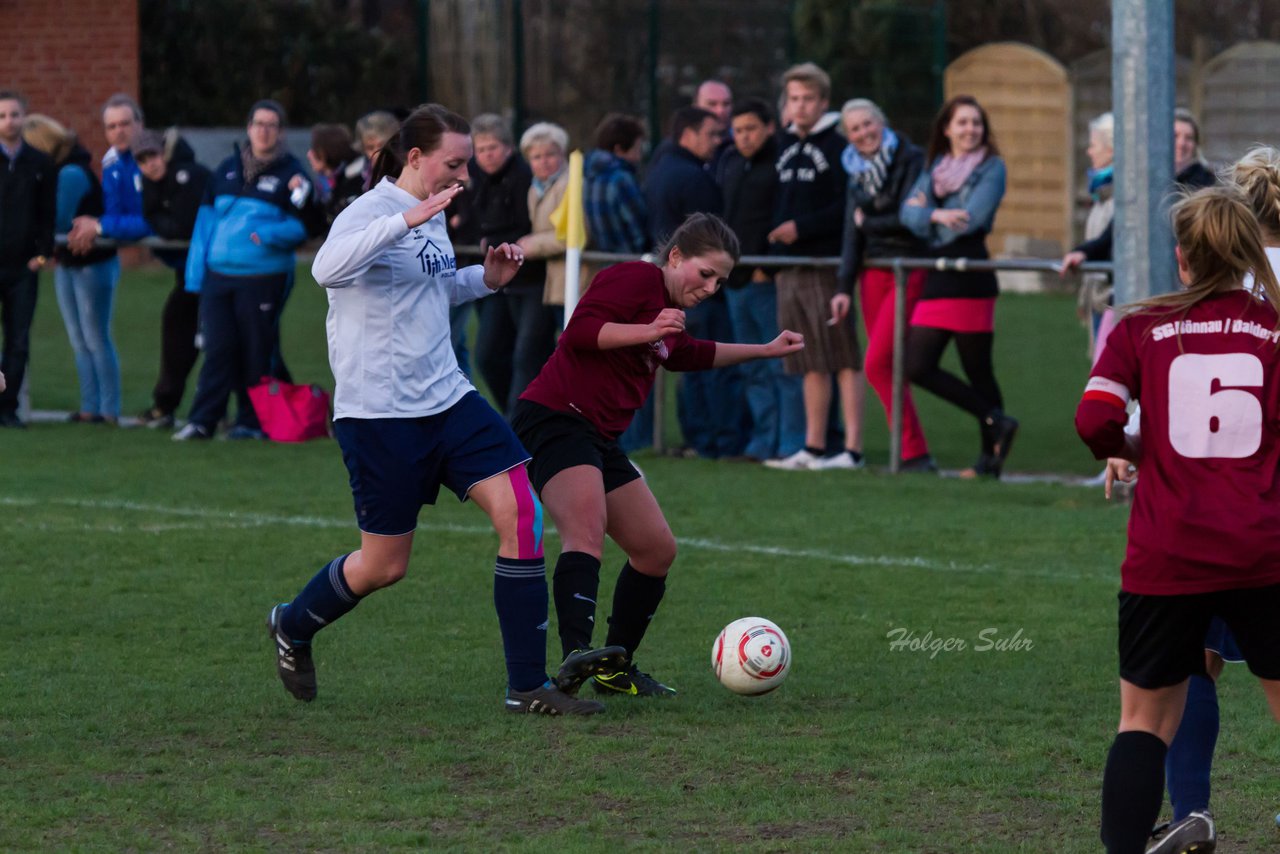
point(1226, 423)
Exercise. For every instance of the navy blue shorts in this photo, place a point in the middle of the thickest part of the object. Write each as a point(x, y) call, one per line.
point(399, 464)
point(1220, 640)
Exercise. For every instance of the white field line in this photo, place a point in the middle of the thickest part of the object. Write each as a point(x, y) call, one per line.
point(204, 518)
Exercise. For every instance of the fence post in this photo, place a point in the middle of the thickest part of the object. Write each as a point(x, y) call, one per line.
point(899, 359)
point(1142, 95)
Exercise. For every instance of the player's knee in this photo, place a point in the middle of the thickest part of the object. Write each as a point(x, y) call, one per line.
point(661, 554)
point(385, 573)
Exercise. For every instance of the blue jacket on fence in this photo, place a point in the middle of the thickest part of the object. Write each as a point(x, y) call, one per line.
point(617, 220)
point(122, 197)
point(231, 212)
point(980, 195)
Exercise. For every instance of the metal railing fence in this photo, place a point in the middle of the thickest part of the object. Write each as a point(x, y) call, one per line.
point(899, 266)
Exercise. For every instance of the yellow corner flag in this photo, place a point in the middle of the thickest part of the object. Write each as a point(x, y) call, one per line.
point(569, 217)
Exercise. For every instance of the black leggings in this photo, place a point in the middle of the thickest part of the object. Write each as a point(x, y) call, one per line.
point(978, 397)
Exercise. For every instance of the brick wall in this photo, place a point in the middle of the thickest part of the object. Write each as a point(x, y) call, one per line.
point(68, 56)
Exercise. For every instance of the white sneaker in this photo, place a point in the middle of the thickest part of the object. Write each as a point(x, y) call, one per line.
point(1195, 833)
point(191, 432)
point(842, 460)
point(801, 460)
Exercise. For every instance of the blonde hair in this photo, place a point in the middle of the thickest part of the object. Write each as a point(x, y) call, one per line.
point(1257, 174)
point(1220, 242)
point(855, 105)
point(1104, 126)
point(808, 74)
point(544, 133)
point(380, 123)
point(47, 135)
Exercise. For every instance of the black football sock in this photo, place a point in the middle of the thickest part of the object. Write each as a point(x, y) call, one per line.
point(635, 600)
point(1132, 791)
point(575, 586)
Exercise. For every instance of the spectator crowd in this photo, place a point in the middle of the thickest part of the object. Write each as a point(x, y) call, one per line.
point(790, 176)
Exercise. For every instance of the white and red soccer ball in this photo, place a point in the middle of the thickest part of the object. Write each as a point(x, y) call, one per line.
point(751, 656)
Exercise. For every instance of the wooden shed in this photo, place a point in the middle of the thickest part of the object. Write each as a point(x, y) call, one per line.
point(1240, 101)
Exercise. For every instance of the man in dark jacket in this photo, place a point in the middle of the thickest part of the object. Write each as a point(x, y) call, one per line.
point(809, 216)
point(517, 331)
point(713, 415)
point(750, 184)
point(28, 189)
point(681, 182)
point(173, 185)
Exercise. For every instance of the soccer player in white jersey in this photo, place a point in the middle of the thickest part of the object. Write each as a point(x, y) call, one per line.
point(408, 421)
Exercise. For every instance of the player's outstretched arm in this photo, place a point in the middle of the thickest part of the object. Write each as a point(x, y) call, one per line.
point(733, 354)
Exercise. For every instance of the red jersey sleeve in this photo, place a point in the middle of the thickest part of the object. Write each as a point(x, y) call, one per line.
point(1114, 381)
point(617, 295)
point(689, 354)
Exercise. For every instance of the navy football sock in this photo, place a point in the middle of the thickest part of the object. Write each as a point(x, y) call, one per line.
point(1131, 791)
point(1191, 754)
point(635, 599)
point(520, 597)
point(575, 584)
point(325, 598)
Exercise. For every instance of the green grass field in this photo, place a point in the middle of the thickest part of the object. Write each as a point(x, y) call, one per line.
point(139, 709)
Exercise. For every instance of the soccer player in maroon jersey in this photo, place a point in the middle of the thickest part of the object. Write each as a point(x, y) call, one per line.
point(628, 324)
point(1204, 531)
point(1189, 762)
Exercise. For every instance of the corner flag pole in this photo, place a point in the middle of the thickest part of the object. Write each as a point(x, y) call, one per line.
point(570, 221)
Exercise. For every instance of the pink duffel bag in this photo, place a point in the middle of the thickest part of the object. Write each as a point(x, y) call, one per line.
point(290, 413)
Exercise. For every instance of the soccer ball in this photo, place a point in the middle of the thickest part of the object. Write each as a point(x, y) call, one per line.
point(751, 656)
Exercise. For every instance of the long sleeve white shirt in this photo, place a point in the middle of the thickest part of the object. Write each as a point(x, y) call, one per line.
point(390, 288)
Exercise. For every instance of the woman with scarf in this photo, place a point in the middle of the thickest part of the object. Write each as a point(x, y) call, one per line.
point(1190, 173)
point(544, 146)
point(258, 208)
point(1095, 288)
point(952, 207)
point(882, 168)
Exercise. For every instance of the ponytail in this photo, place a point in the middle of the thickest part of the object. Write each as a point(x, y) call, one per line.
point(386, 164)
point(1220, 241)
point(1258, 175)
point(423, 130)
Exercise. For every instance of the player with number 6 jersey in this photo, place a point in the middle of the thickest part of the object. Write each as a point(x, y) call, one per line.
point(1204, 531)
point(1207, 513)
